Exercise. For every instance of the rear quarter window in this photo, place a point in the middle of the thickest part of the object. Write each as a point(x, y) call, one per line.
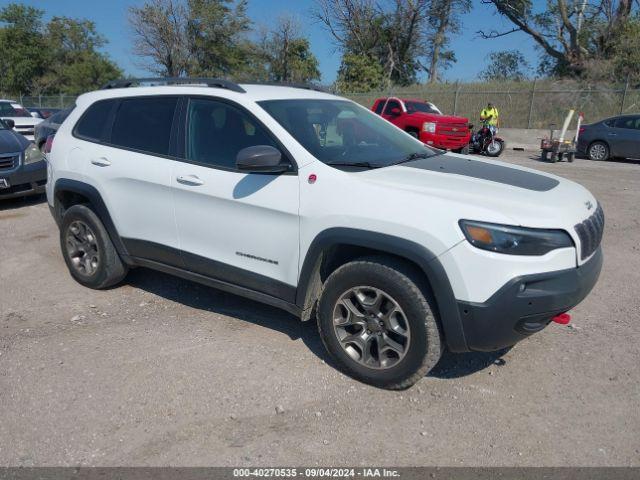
point(144, 124)
point(93, 122)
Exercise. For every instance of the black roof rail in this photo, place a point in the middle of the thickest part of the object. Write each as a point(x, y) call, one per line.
point(209, 82)
point(306, 86)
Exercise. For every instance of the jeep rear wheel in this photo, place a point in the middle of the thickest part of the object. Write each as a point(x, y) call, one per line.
point(88, 251)
point(378, 324)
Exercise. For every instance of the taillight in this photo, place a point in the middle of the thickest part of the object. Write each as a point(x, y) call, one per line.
point(48, 144)
point(582, 129)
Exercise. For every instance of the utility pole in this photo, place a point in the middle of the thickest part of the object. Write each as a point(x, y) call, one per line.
point(533, 95)
point(624, 96)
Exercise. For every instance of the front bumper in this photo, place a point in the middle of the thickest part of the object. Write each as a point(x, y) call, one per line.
point(526, 305)
point(445, 142)
point(581, 147)
point(25, 180)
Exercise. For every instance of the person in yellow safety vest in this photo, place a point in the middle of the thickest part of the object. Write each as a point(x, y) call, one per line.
point(490, 115)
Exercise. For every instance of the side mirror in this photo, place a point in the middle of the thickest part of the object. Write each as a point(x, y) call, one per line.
point(9, 123)
point(395, 111)
point(260, 159)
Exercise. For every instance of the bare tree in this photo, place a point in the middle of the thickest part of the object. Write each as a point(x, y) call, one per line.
point(444, 20)
point(160, 36)
point(352, 23)
point(286, 52)
point(391, 32)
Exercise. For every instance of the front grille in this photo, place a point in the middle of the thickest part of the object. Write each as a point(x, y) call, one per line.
point(453, 129)
point(590, 233)
point(9, 161)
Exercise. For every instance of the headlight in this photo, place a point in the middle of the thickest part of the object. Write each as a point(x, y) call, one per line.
point(429, 127)
point(32, 155)
point(514, 240)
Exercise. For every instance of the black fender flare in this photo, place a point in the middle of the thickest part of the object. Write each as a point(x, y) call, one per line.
point(97, 204)
point(400, 247)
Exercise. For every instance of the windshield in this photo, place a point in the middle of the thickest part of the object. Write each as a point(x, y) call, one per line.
point(8, 109)
point(339, 132)
point(413, 107)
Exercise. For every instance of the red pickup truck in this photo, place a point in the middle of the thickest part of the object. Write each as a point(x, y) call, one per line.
point(424, 121)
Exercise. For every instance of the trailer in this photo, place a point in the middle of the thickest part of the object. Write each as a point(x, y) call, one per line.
point(556, 149)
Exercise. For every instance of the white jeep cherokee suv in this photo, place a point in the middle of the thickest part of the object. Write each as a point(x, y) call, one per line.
point(310, 202)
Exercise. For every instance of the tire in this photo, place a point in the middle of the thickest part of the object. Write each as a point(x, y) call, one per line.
point(598, 151)
point(571, 157)
point(497, 152)
point(413, 307)
point(88, 251)
point(544, 156)
point(464, 150)
point(553, 158)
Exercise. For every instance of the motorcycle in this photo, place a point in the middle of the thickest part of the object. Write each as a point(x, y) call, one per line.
point(486, 141)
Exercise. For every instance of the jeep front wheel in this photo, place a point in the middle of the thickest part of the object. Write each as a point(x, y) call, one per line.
point(378, 324)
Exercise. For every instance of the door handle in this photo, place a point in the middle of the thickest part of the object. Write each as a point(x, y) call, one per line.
point(613, 134)
point(191, 180)
point(101, 162)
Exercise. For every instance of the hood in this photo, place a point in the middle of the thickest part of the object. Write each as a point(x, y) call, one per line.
point(433, 117)
point(24, 121)
point(12, 142)
point(490, 191)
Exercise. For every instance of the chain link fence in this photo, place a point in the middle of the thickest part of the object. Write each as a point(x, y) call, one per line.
point(525, 105)
point(521, 104)
point(42, 101)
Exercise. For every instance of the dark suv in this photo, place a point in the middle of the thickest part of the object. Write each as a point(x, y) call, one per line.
point(23, 170)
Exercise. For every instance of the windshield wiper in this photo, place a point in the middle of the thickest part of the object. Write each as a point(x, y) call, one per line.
point(413, 156)
point(353, 164)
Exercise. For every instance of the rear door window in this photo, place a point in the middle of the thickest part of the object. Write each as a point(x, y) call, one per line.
point(390, 106)
point(632, 123)
point(92, 125)
point(144, 124)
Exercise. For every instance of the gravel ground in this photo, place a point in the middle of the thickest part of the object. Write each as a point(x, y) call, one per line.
point(161, 371)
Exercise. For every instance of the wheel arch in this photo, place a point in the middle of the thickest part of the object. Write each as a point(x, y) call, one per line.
point(67, 192)
point(412, 128)
point(336, 246)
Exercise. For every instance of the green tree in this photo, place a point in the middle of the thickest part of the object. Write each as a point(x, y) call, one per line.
point(574, 36)
point(75, 63)
point(360, 73)
point(62, 56)
point(287, 54)
point(217, 31)
point(626, 52)
point(390, 32)
point(22, 48)
point(506, 65)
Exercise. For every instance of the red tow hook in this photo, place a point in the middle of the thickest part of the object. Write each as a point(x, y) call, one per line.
point(562, 319)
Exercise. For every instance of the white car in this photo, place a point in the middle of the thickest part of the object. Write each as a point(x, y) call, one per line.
point(309, 202)
point(24, 122)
